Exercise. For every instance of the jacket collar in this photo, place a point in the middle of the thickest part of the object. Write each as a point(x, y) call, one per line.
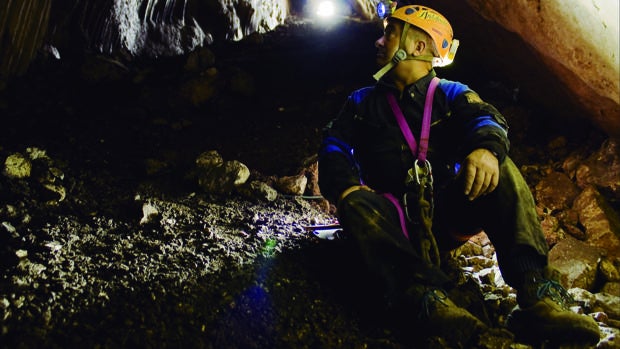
point(418, 87)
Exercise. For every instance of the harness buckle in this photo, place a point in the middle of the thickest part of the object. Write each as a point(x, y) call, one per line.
point(423, 173)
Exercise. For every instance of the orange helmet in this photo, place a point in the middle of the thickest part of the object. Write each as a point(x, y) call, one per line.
point(427, 20)
point(435, 25)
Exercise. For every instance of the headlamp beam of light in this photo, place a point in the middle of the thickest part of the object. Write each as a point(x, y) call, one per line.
point(326, 9)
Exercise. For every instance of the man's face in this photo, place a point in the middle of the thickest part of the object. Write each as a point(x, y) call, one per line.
point(387, 45)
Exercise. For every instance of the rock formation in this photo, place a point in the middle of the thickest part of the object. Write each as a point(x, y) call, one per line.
point(577, 44)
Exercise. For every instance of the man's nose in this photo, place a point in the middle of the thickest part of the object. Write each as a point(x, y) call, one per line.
point(380, 41)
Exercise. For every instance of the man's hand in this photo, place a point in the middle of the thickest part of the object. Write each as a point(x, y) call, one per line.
point(480, 173)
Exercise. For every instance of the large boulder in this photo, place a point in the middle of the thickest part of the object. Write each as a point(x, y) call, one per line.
point(577, 263)
point(600, 220)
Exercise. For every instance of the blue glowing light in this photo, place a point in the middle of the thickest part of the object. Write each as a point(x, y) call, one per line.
point(381, 10)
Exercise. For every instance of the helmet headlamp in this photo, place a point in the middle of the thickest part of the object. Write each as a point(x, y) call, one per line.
point(385, 8)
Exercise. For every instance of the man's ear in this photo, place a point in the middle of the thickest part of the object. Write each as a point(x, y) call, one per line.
point(416, 45)
point(419, 47)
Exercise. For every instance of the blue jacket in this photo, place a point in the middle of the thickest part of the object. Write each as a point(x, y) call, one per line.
point(365, 144)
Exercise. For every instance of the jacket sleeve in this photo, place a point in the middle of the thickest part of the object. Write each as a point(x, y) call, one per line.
point(338, 168)
point(481, 124)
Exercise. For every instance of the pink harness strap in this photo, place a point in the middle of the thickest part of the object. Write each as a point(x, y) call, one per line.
point(426, 121)
point(401, 214)
point(413, 146)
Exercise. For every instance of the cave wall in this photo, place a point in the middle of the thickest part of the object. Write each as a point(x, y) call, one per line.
point(578, 44)
point(564, 57)
point(138, 28)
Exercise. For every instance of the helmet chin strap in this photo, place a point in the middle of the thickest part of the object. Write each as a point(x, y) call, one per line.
point(401, 55)
point(398, 56)
point(425, 58)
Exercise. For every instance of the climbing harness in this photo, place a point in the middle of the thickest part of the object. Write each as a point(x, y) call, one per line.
point(419, 179)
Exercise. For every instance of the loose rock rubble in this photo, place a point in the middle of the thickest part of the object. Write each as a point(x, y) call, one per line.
point(201, 270)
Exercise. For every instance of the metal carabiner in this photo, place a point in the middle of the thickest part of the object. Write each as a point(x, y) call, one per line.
point(406, 207)
point(424, 173)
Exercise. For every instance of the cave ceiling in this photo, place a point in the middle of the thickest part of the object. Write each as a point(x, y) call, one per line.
point(545, 50)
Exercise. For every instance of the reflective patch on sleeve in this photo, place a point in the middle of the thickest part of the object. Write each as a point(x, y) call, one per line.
point(359, 95)
point(472, 98)
point(484, 121)
point(452, 89)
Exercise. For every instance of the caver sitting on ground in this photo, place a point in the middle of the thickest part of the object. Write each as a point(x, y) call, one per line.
point(375, 166)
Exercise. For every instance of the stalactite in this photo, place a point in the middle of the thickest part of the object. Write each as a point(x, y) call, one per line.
point(168, 12)
point(96, 26)
point(183, 12)
point(158, 12)
point(148, 14)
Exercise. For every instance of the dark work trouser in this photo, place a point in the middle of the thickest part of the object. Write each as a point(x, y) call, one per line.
point(507, 215)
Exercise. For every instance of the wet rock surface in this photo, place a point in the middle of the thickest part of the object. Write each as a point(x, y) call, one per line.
point(108, 239)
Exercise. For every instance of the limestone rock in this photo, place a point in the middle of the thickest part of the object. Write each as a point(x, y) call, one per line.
point(42, 177)
point(556, 191)
point(149, 212)
point(258, 190)
point(293, 185)
point(551, 229)
point(601, 222)
point(143, 28)
point(608, 271)
point(17, 166)
point(578, 43)
point(365, 9)
point(572, 162)
point(602, 169)
point(238, 172)
point(209, 159)
point(608, 303)
point(611, 288)
point(217, 176)
point(586, 300)
point(234, 20)
point(576, 262)
point(312, 173)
